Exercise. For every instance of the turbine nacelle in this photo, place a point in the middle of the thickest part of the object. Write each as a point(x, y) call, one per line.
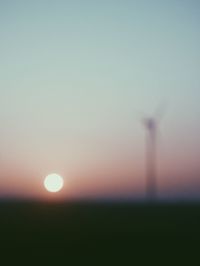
point(150, 123)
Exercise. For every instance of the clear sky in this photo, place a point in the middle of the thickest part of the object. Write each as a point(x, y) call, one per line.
point(74, 79)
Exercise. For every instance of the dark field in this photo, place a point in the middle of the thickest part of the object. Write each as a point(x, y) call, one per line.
point(38, 223)
point(113, 229)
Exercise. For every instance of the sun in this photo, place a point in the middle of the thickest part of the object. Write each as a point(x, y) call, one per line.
point(53, 183)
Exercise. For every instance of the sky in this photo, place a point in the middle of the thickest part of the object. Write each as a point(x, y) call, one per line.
point(77, 77)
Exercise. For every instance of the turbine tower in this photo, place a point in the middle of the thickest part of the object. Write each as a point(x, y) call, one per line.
point(151, 124)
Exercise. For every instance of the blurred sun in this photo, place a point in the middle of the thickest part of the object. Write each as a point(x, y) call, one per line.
point(53, 183)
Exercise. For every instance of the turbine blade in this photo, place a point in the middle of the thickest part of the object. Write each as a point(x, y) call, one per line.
point(160, 111)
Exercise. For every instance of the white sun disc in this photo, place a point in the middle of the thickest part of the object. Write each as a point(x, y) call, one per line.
point(53, 183)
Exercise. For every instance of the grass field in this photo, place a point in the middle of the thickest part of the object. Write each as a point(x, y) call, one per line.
point(129, 230)
point(47, 223)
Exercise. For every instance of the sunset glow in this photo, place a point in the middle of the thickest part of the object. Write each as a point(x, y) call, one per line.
point(77, 80)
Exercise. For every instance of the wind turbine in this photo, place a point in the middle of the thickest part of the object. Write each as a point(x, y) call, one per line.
point(151, 125)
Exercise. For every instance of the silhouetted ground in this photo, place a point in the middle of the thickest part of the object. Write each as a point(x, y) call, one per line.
point(41, 222)
point(115, 227)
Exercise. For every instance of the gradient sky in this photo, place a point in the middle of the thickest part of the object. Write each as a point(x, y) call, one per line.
point(74, 79)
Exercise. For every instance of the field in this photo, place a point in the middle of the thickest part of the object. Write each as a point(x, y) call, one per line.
point(32, 222)
point(109, 226)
